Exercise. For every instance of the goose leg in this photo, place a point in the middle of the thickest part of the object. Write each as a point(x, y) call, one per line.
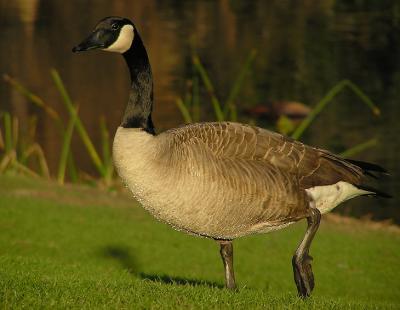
point(303, 275)
point(226, 251)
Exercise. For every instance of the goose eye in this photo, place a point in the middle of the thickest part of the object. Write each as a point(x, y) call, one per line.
point(114, 26)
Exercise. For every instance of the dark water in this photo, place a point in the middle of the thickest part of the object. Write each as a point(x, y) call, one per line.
point(304, 48)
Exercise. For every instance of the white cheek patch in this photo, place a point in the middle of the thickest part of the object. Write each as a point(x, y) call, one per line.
point(328, 197)
point(124, 40)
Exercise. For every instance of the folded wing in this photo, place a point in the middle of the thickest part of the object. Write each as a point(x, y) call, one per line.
point(310, 166)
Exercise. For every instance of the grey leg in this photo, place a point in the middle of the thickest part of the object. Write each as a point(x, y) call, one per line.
point(303, 275)
point(226, 250)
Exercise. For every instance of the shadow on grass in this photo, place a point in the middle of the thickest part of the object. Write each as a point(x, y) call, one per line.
point(123, 255)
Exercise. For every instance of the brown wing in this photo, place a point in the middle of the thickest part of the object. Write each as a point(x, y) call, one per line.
point(311, 166)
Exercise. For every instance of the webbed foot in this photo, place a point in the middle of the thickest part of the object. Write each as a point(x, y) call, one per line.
point(303, 275)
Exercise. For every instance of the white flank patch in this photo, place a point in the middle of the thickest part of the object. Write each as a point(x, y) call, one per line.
point(328, 197)
point(124, 40)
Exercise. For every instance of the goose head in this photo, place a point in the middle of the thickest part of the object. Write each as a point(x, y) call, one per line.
point(112, 34)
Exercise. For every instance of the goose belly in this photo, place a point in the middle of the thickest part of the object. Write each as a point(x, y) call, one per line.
point(194, 207)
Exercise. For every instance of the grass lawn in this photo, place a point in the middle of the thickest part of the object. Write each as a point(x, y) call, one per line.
point(78, 247)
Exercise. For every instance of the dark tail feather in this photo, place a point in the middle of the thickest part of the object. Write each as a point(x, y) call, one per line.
point(368, 168)
point(374, 191)
point(370, 174)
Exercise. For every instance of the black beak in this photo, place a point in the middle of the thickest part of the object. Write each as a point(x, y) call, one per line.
point(92, 42)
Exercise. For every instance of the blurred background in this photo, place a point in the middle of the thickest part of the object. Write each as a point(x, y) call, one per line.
point(291, 54)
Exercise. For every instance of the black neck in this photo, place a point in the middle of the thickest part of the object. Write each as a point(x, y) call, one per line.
point(138, 110)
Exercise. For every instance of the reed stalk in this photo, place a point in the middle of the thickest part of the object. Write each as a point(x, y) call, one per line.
point(106, 149)
point(33, 98)
point(188, 96)
point(29, 172)
point(219, 113)
point(184, 111)
point(1, 140)
point(79, 125)
point(7, 132)
point(66, 145)
point(237, 86)
point(359, 148)
point(7, 160)
point(15, 132)
point(73, 173)
point(35, 149)
point(195, 99)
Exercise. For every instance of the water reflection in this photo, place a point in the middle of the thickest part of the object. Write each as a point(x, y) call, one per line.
point(304, 49)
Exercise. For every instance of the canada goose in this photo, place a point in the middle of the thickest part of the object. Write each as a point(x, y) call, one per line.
point(222, 180)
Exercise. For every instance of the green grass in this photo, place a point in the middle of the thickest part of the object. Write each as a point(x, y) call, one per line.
point(77, 247)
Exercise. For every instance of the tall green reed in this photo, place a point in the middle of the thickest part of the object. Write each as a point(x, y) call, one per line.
point(330, 95)
point(66, 100)
point(190, 106)
point(320, 106)
point(66, 161)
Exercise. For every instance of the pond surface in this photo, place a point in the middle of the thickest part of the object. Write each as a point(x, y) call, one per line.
point(304, 48)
